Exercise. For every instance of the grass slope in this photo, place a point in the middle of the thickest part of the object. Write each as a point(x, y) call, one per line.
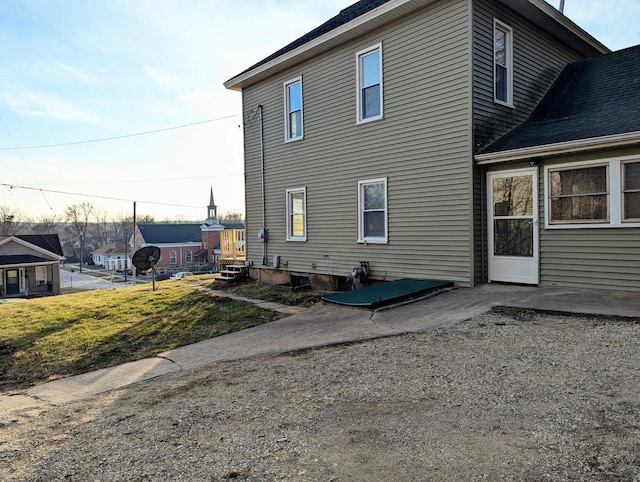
point(49, 338)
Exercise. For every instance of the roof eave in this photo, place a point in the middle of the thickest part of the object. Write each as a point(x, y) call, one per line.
point(29, 245)
point(560, 148)
point(352, 29)
point(563, 21)
point(537, 10)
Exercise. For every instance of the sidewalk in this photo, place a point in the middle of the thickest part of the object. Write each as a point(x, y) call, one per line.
point(323, 325)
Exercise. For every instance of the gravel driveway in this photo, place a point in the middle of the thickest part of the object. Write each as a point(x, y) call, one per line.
point(503, 396)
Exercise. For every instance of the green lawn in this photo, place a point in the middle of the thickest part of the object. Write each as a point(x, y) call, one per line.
point(48, 338)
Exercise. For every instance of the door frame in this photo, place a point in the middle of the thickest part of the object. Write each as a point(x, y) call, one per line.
point(497, 264)
point(20, 274)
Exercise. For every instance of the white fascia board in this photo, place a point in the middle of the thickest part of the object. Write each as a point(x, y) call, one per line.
point(569, 25)
point(176, 245)
point(561, 148)
point(27, 265)
point(236, 83)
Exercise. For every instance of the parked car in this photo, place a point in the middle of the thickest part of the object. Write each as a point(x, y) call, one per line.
point(181, 274)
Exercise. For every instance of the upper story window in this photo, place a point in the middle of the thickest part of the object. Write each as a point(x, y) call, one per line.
point(293, 110)
point(603, 193)
point(297, 214)
point(369, 79)
point(372, 211)
point(503, 63)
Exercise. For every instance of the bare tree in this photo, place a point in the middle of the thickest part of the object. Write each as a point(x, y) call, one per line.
point(101, 229)
point(78, 215)
point(232, 217)
point(11, 221)
point(47, 224)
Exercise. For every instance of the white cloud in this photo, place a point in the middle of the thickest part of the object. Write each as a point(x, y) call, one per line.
point(34, 103)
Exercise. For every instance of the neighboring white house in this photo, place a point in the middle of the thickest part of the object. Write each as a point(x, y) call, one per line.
point(112, 257)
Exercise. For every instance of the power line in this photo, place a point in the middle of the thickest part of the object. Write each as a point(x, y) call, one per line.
point(138, 181)
point(14, 186)
point(26, 163)
point(124, 136)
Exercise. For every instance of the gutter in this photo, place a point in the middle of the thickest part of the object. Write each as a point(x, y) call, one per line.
point(560, 148)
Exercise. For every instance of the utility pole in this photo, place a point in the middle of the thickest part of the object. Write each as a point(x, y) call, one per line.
point(561, 8)
point(133, 249)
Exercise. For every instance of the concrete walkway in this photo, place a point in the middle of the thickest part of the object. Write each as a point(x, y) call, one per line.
point(323, 325)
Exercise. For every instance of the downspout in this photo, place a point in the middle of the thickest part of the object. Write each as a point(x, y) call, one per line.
point(264, 202)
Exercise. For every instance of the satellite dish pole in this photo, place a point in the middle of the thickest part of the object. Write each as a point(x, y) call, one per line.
point(145, 259)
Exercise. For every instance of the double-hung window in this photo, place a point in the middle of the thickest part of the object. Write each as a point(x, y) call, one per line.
point(503, 63)
point(369, 82)
point(173, 257)
point(293, 110)
point(297, 214)
point(41, 275)
point(631, 191)
point(188, 256)
point(579, 195)
point(604, 193)
point(372, 211)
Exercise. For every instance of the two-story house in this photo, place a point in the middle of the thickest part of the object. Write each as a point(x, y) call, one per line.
point(368, 139)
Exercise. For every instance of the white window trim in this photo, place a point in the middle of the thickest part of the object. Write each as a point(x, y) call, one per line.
point(289, 237)
point(509, 53)
point(188, 256)
point(287, 120)
point(361, 236)
point(614, 186)
point(622, 180)
point(173, 257)
point(361, 53)
point(41, 275)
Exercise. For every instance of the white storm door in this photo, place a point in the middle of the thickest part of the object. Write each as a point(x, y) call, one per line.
point(513, 226)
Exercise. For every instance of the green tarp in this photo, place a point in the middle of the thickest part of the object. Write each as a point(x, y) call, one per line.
point(386, 293)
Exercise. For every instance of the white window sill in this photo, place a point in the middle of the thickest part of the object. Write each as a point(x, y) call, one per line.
point(370, 119)
point(592, 226)
point(506, 104)
point(373, 241)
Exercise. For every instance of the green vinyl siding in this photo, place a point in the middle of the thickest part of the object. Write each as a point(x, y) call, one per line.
point(422, 146)
point(538, 58)
point(595, 258)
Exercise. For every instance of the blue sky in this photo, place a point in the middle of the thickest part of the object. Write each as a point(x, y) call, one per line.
point(73, 70)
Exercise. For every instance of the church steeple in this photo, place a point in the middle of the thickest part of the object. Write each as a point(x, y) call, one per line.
point(212, 209)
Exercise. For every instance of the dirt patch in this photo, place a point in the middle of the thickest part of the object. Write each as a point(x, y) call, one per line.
point(503, 396)
point(286, 295)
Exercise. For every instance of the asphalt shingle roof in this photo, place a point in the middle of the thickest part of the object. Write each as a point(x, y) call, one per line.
point(596, 97)
point(50, 242)
point(171, 233)
point(345, 16)
point(12, 259)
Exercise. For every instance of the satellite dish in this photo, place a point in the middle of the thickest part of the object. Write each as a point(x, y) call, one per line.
point(146, 258)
